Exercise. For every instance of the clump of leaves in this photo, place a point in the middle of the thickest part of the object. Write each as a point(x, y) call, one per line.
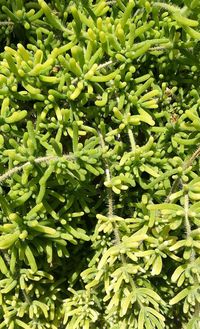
point(99, 173)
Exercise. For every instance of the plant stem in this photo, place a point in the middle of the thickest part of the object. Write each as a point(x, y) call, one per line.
point(111, 213)
point(14, 170)
point(195, 155)
point(6, 23)
point(185, 166)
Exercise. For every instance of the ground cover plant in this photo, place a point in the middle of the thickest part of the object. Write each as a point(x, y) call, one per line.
point(99, 164)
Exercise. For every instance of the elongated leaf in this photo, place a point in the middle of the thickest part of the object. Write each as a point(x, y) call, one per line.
point(178, 245)
point(149, 292)
point(165, 206)
point(141, 319)
point(156, 313)
point(181, 295)
point(178, 272)
point(157, 266)
point(22, 324)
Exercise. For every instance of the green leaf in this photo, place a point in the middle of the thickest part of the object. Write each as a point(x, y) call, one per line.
point(141, 318)
point(177, 273)
point(31, 259)
point(165, 206)
point(178, 245)
point(193, 323)
point(75, 137)
point(3, 267)
point(146, 117)
point(156, 313)
point(149, 292)
point(125, 303)
point(56, 146)
point(181, 295)
point(91, 169)
point(157, 266)
point(155, 321)
point(22, 324)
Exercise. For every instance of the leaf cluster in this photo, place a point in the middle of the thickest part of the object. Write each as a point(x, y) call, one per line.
point(99, 172)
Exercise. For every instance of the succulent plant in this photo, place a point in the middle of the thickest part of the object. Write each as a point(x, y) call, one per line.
point(99, 171)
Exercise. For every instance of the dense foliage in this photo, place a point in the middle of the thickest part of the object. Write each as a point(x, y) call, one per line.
point(99, 170)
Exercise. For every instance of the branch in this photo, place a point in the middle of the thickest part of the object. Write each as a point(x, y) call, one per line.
point(14, 170)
